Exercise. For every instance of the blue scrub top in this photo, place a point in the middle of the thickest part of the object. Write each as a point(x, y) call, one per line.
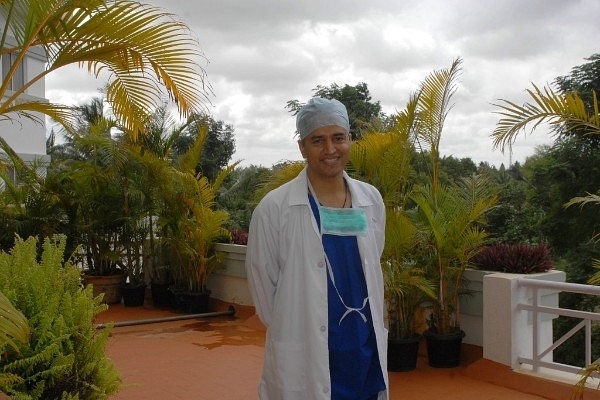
point(353, 358)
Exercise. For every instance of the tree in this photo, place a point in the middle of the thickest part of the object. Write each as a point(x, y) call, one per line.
point(357, 99)
point(218, 148)
point(149, 56)
point(237, 195)
point(583, 80)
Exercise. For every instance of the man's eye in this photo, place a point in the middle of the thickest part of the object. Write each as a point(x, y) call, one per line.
point(317, 141)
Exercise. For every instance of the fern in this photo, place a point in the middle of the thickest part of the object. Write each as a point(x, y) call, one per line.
point(65, 357)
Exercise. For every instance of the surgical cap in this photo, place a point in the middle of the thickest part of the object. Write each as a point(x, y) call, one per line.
point(319, 112)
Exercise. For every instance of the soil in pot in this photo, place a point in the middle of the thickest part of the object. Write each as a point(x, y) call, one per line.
point(443, 351)
point(403, 354)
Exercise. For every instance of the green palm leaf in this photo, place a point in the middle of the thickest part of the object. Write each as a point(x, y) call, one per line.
point(545, 106)
point(145, 51)
point(13, 325)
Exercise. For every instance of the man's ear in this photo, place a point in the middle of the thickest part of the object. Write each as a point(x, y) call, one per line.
point(301, 147)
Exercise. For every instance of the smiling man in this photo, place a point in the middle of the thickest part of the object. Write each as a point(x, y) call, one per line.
point(313, 268)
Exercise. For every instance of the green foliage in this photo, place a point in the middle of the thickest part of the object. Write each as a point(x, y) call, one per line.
point(218, 148)
point(569, 169)
point(64, 358)
point(280, 174)
point(83, 33)
point(14, 327)
point(453, 221)
point(237, 195)
point(514, 258)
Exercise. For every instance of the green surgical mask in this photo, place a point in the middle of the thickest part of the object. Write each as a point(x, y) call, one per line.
point(343, 221)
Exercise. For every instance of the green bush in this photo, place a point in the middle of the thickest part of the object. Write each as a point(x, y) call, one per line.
point(64, 358)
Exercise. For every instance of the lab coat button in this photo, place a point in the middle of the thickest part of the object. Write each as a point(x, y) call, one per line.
point(323, 328)
point(325, 390)
point(320, 264)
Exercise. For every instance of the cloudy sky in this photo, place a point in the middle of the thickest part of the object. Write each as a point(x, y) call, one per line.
point(262, 53)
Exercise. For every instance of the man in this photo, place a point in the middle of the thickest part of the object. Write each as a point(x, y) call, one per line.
point(313, 268)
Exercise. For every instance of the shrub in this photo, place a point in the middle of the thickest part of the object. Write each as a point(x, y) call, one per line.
point(239, 236)
point(64, 358)
point(514, 258)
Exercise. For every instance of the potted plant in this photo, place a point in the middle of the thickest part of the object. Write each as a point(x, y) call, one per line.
point(192, 227)
point(406, 288)
point(159, 272)
point(132, 262)
point(196, 256)
point(452, 221)
point(450, 217)
point(517, 258)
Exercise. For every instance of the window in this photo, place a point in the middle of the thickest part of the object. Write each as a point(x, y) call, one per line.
point(18, 79)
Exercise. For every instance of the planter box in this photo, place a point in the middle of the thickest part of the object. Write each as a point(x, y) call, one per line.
point(229, 282)
point(471, 304)
point(109, 285)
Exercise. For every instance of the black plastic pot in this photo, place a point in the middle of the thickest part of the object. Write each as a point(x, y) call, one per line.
point(403, 353)
point(161, 296)
point(195, 303)
point(443, 351)
point(133, 295)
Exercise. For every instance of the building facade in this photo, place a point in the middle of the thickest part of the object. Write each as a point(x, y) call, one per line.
point(27, 137)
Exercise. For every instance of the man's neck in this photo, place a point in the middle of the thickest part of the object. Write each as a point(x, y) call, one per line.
point(331, 191)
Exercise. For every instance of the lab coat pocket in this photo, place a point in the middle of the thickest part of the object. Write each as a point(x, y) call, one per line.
point(285, 364)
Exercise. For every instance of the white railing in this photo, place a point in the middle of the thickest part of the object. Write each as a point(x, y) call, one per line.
point(541, 356)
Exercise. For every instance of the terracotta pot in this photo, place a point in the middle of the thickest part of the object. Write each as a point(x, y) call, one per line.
point(109, 285)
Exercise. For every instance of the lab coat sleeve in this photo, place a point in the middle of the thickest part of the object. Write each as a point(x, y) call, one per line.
point(380, 233)
point(262, 266)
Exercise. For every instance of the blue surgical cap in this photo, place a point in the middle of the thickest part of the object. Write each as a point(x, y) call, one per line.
point(319, 112)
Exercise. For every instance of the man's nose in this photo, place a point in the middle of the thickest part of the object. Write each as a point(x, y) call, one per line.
point(329, 147)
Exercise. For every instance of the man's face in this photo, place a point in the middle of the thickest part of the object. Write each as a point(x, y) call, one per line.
point(326, 150)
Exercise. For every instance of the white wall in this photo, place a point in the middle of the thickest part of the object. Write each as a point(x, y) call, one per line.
point(27, 137)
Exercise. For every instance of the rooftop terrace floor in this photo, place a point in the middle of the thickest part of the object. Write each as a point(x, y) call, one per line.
point(220, 357)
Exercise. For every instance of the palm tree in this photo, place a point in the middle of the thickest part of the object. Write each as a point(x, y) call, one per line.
point(188, 220)
point(145, 51)
point(566, 112)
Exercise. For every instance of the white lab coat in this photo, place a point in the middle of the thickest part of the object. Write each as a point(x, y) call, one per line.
point(287, 275)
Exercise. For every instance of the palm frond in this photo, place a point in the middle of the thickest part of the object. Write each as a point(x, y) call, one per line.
point(146, 52)
point(435, 102)
point(584, 200)
point(13, 325)
point(545, 106)
point(280, 175)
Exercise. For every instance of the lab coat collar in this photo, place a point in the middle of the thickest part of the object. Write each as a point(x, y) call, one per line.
point(299, 191)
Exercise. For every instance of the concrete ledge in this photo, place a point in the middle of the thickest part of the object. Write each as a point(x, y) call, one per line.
point(502, 375)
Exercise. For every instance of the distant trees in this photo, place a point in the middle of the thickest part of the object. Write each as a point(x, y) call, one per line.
point(218, 147)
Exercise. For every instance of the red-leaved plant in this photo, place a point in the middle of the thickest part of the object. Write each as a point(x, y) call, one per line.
point(239, 236)
point(514, 258)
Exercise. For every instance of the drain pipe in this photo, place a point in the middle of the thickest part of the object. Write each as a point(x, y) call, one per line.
point(230, 311)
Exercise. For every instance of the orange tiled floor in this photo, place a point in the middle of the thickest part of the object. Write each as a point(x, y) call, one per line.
point(220, 358)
